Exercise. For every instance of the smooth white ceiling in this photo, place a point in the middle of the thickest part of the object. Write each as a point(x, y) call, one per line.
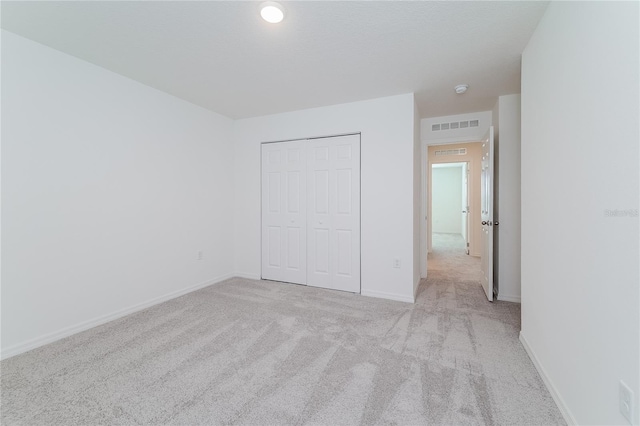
point(224, 57)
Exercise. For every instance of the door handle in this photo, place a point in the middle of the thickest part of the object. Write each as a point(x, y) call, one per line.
point(496, 223)
point(484, 222)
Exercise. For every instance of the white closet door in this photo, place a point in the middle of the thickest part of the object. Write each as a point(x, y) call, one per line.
point(284, 212)
point(333, 200)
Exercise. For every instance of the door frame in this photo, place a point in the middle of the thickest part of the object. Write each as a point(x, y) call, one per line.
point(423, 192)
point(466, 205)
point(359, 198)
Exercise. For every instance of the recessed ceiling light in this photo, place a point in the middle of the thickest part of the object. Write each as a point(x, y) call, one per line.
point(272, 12)
point(461, 88)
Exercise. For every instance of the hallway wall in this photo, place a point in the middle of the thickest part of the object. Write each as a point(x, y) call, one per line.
point(447, 199)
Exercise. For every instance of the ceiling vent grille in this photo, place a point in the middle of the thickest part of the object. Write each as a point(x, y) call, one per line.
point(459, 151)
point(454, 125)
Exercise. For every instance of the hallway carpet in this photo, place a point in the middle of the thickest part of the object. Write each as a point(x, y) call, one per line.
point(449, 260)
point(265, 353)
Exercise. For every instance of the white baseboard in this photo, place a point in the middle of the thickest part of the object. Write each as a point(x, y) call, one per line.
point(68, 331)
point(390, 296)
point(515, 299)
point(247, 275)
point(568, 417)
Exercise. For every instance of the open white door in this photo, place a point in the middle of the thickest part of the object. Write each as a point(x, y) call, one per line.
point(284, 212)
point(486, 203)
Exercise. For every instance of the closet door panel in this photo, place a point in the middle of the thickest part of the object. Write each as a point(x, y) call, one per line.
point(284, 235)
point(334, 213)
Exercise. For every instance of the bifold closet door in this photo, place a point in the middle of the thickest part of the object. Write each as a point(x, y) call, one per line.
point(333, 213)
point(284, 215)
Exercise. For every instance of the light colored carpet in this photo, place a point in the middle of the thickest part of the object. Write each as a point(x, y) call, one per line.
point(449, 259)
point(252, 352)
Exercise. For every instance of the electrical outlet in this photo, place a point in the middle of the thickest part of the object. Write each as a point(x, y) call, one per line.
point(626, 401)
point(200, 255)
point(396, 263)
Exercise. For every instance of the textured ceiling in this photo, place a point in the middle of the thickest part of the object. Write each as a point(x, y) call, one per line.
point(222, 56)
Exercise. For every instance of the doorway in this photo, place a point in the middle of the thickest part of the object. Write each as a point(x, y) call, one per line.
point(450, 204)
point(453, 208)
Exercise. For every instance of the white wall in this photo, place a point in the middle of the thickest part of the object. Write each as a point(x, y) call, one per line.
point(109, 190)
point(418, 263)
point(469, 134)
point(506, 117)
point(580, 133)
point(446, 187)
point(387, 196)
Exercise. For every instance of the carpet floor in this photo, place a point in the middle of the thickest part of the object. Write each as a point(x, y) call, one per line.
point(259, 352)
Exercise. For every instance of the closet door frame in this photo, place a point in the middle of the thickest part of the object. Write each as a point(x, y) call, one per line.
point(304, 141)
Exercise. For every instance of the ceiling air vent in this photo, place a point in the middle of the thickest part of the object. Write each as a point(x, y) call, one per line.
point(459, 151)
point(454, 125)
